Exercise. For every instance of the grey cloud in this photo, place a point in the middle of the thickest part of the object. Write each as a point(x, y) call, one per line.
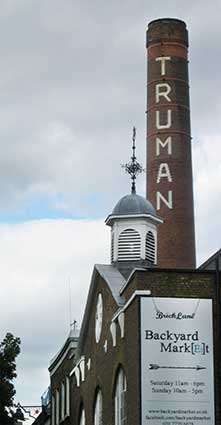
point(40, 260)
point(73, 72)
point(72, 85)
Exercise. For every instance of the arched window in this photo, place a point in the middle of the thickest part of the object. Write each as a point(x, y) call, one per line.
point(53, 411)
point(150, 248)
point(67, 401)
point(82, 417)
point(62, 401)
point(98, 409)
point(57, 413)
point(120, 399)
point(129, 245)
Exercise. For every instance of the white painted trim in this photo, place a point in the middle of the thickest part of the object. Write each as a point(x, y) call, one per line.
point(121, 323)
point(105, 346)
point(77, 373)
point(67, 401)
point(82, 368)
point(53, 410)
point(153, 218)
point(89, 364)
point(142, 226)
point(113, 329)
point(62, 400)
point(73, 370)
point(136, 293)
point(57, 407)
point(77, 364)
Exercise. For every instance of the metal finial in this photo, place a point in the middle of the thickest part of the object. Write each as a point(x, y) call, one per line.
point(133, 168)
point(74, 325)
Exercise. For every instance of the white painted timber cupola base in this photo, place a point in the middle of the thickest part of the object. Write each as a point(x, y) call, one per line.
point(133, 225)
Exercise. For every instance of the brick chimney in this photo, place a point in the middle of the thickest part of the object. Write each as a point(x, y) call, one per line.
point(169, 164)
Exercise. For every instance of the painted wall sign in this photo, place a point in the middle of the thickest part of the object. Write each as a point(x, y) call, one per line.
point(162, 90)
point(177, 378)
point(169, 162)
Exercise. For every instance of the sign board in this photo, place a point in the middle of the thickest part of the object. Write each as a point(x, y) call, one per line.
point(177, 378)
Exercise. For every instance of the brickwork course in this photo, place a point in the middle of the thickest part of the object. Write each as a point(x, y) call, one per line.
point(176, 241)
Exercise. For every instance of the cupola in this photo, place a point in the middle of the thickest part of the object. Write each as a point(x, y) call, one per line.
point(133, 223)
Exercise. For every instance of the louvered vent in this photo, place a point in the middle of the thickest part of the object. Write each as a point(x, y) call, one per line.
point(129, 245)
point(112, 247)
point(150, 247)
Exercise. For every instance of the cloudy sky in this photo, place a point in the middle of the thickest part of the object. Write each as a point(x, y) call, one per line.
point(72, 85)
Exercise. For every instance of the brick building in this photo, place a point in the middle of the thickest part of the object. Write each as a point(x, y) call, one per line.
point(59, 369)
point(133, 361)
point(105, 370)
point(98, 375)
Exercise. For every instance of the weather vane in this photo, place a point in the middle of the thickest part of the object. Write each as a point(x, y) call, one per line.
point(74, 325)
point(133, 168)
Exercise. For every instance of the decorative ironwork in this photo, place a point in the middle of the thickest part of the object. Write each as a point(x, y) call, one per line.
point(74, 325)
point(134, 167)
point(19, 412)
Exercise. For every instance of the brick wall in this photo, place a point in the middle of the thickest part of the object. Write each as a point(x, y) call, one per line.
point(169, 167)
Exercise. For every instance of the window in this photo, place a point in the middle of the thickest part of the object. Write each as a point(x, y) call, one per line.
point(129, 245)
point(53, 412)
point(98, 409)
point(119, 398)
point(57, 418)
point(67, 401)
point(82, 417)
point(62, 400)
point(150, 247)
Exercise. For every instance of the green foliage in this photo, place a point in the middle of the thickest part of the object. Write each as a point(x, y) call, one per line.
point(9, 350)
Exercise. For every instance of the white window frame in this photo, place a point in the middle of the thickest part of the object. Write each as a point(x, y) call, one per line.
point(53, 410)
point(62, 400)
point(120, 399)
point(98, 409)
point(82, 417)
point(67, 401)
point(57, 407)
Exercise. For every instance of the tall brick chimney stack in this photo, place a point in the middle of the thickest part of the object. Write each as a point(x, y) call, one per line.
point(169, 164)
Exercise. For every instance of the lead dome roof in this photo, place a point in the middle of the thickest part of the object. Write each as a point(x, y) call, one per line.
point(133, 204)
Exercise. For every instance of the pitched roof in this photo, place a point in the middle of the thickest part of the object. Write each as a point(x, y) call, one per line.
point(114, 280)
point(70, 342)
point(212, 262)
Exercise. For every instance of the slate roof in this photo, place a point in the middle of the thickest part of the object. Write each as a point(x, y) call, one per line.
point(212, 262)
point(114, 280)
point(133, 204)
point(73, 337)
